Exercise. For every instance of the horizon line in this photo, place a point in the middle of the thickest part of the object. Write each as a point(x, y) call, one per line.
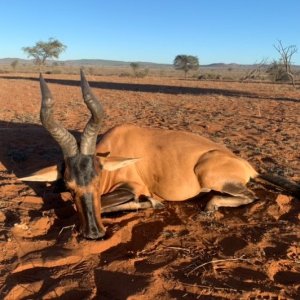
point(128, 62)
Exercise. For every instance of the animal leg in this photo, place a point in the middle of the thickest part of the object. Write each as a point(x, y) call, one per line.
point(155, 203)
point(235, 194)
point(227, 175)
point(226, 201)
point(134, 205)
point(115, 198)
point(237, 189)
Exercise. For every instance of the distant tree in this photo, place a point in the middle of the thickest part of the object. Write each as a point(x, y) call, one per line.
point(14, 64)
point(137, 72)
point(41, 51)
point(285, 60)
point(186, 63)
point(135, 67)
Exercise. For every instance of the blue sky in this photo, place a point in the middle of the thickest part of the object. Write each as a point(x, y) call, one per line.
point(241, 31)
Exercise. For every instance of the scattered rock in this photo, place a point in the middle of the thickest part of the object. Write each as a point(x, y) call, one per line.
point(283, 200)
point(21, 226)
point(2, 217)
point(284, 203)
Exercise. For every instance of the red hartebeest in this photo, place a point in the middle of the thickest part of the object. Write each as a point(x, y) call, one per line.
point(149, 163)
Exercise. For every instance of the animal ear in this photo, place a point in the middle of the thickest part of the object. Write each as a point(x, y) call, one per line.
point(112, 163)
point(48, 174)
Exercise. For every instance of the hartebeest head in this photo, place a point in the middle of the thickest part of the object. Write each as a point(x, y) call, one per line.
point(83, 166)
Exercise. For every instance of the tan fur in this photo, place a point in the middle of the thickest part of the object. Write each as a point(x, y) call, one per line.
point(164, 164)
point(173, 165)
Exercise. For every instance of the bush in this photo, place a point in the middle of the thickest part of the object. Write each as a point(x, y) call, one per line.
point(54, 71)
point(209, 76)
point(3, 71)
point(142, 74)
point(277, 72)
point(94, 71)
point(124, 74)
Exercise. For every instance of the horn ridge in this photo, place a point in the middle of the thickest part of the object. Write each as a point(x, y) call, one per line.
point(63, 137)
point(89, 136)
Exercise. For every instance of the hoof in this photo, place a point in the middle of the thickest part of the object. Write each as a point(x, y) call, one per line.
point(156, 204)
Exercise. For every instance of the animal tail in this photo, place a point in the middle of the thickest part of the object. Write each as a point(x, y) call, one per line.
point(290, 187)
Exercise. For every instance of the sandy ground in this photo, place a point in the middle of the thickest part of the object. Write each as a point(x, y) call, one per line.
point(251, 252)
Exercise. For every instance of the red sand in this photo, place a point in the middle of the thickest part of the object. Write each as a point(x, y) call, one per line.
point(251, 252)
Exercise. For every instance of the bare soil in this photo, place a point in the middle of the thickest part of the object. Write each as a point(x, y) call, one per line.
point(251, 252)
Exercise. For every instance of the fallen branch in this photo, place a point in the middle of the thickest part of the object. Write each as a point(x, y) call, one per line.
point(177, 248)
point(241, 258)
point(211, 287)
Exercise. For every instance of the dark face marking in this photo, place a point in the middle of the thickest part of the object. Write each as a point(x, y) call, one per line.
point(82, 177)
point(82, 169)
point(91, 230)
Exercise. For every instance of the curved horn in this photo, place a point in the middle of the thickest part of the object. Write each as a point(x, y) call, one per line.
point(63, 137)
point(89, 136)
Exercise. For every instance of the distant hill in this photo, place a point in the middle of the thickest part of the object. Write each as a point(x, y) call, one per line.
point(9, 60)
point(222, 65)
point(109, 63)
point(87, 62)
point(116, 63)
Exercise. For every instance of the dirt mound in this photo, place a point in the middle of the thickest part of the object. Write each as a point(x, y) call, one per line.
point(180, 252)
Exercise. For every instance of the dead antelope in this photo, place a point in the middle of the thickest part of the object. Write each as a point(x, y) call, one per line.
point(144, 162)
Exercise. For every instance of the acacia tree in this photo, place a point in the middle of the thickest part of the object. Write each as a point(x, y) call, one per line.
point(286, 54)
point(186, 63)
point(135, 67)
point(41, 51)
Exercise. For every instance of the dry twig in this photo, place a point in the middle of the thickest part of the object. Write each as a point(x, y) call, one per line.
point(66, 227)
point(241, 258)
point(177, 248)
